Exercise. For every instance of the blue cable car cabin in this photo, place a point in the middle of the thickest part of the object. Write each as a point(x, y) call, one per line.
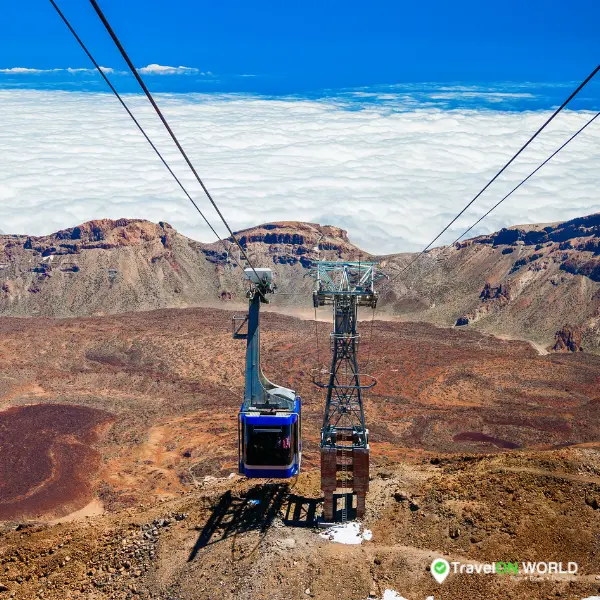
point(270, 442)
point(269, 422)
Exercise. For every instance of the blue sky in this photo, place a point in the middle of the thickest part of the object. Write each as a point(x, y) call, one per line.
point(299, 48)
point(384, 118)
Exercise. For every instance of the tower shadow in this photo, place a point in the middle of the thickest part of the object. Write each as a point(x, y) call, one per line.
point(301, 511)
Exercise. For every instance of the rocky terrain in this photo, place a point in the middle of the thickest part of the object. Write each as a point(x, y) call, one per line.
point(482, 449)
point(534, 282)
point(104, 267)
point(216, 542)
point(528, 282)
point(118, 420)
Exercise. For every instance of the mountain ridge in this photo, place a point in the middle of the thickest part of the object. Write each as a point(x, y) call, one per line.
point(526, 281)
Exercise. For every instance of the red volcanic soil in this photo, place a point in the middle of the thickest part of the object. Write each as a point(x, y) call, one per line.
point(46, 458)
point(172, 380)
point(475, 436)
point(468, 460)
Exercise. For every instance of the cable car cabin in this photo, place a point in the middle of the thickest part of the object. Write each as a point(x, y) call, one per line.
point(270, 441)
point(269, 422)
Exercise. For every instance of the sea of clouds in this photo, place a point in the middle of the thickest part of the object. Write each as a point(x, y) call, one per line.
point(392, 172)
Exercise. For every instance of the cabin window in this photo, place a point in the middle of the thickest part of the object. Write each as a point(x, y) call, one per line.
point(269, 445)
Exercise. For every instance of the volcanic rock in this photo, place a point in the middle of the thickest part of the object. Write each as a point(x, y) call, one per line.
point(568, 339)
point(525, 281)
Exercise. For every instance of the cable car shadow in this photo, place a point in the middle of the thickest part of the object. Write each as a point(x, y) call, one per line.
point(258, 508)
point(232, 515)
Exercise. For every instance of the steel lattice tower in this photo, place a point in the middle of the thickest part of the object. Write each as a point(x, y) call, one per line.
point(344, 437)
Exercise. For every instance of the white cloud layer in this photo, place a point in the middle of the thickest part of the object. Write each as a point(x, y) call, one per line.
point(27, 71)
point(392, 178)
point(155, 69)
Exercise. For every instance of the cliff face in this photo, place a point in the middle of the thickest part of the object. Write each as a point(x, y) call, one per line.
point(579, 239)
point(294, 244)
point(110, 266)
point(102, 267)
point(525, 281)
point(568, 339)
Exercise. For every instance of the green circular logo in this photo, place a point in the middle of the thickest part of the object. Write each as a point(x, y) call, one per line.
point(440, 568)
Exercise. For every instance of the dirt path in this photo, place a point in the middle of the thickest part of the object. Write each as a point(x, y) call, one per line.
point(93, 509)
point(539, 348)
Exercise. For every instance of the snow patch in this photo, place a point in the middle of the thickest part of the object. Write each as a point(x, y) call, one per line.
point(348, 533)
point(392, 595)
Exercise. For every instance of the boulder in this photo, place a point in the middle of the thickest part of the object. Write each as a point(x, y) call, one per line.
point(567, 339)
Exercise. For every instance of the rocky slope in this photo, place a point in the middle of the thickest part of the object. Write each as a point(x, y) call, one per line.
point(129, 265)
point(481, 450)
point(536, 282)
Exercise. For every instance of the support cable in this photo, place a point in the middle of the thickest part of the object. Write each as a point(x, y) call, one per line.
point(526, 178)
point(134, 72)
point(370, 340)
point(120, 99)
point(546, 123)
point(317, 341)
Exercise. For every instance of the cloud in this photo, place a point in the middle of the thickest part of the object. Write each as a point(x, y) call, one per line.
point(107, 70)
point(155, 69)
point(490, 96)
point(392, 178)
point(26, 71)
point(152, 69)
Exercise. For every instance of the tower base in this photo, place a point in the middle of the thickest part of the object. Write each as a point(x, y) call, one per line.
point(358, 485)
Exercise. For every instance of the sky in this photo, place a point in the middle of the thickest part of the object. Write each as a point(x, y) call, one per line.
point(293, 47)
point(382, 118)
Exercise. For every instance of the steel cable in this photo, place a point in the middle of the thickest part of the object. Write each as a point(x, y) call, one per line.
point(526, 178)
point(134, 72)
point(540, 129)
point(143, 132)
